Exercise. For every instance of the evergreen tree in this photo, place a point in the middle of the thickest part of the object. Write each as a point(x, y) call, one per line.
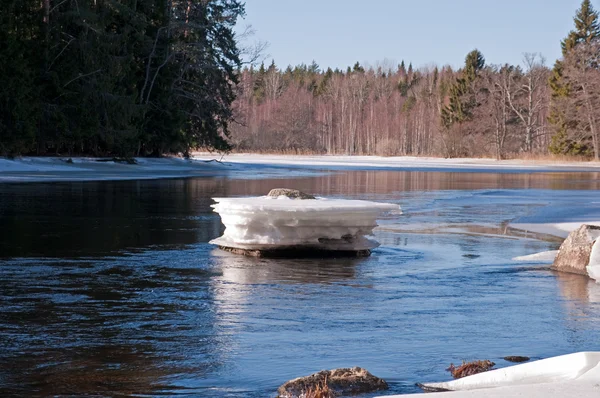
point(116, 77)
point(587, 28)
point(461, 101)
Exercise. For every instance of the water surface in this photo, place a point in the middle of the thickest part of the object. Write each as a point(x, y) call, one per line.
point(112, 288)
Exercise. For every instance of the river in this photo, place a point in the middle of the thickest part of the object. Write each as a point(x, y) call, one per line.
point(112, 288)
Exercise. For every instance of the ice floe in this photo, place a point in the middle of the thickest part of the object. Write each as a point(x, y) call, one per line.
point(264, 223)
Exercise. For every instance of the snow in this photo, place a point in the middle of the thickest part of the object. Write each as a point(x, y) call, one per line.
point(593, 267)
point(570, 375)
point(274, 222)
point(403, 162)
point(560, 229)
point(542, 257)
point(44, 169)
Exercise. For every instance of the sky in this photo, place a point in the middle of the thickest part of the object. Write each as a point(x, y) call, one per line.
point(337, 33)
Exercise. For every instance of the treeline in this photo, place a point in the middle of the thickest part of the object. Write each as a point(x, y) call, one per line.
point(478, 110)
point(120, 77)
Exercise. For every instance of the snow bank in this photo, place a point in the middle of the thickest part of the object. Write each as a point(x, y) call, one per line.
point(42, 169)
point(404, 162)
point(264, 222)
point(569, 375)
point(584, 365)
point(561, 229)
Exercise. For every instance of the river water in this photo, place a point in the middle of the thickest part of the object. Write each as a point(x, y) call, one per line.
point(112, 288)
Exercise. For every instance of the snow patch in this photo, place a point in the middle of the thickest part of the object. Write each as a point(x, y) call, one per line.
point(561, 229)
point(593, 268)
point(542, 257)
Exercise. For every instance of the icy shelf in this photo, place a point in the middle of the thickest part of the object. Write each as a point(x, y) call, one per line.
point(263, 225)
point(552, 376)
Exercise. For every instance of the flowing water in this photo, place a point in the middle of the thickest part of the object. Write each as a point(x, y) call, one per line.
point(112, 288)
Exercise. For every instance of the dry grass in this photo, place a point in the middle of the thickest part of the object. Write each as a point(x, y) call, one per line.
point(470, 368)
point(321, 390)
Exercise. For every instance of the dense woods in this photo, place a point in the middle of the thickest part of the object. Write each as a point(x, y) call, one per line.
point(478, 110)
point(128, 77)
point(148, 77)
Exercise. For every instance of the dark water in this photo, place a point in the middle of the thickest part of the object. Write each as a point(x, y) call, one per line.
point(111, 287)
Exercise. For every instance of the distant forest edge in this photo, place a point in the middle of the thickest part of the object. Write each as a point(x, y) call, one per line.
point(145, 78)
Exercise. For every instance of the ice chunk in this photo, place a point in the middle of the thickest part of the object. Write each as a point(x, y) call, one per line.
point(265, 222)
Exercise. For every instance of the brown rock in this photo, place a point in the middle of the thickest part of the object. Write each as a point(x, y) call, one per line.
point(470, 368)
point(574, 254)
point(297, 252)
point(343, 381)
point(290, 193)
point(516, 358)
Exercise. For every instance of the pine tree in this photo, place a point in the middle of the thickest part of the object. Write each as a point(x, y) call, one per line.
point(587, 28)
point(461, 103)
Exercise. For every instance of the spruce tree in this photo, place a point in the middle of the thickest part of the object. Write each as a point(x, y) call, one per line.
point(587, 28)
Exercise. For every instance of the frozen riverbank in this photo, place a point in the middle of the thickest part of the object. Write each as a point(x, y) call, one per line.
point(404, 163)
point(47, 169)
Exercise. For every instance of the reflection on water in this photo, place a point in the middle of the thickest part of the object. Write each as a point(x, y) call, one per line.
point(111, 287)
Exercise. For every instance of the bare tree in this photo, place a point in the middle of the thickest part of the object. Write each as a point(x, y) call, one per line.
point(527, 95)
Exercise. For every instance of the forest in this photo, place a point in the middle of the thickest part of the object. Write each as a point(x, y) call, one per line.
point(122, 78)
point(479, 110)
point(148, 78)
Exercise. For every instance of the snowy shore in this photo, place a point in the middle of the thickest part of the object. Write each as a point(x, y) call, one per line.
point(341, 162)
point(48, 169)
point(571, 375)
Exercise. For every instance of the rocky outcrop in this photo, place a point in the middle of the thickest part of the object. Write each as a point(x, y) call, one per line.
point(345, 381)
point(290, 193)
point(574, 254)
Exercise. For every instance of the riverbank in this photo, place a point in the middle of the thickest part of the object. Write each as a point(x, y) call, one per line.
point(343, 162)
point(50, 169)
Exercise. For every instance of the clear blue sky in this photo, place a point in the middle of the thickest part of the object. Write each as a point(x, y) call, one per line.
point(338, 33)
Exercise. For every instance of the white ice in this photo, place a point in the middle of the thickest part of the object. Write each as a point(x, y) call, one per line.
point(267, 222)
point(572, 375)
point(593, 267)
point(542, 257)
point(36, 169)
point(403, 162)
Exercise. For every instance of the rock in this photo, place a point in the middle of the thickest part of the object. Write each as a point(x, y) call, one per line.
point(297, 252)
point(574, 254)
point(470, 368)
point(290, 193)
point(345, 381)
point(516, 358)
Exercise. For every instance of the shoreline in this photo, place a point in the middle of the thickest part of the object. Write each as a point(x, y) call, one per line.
point(64, 169)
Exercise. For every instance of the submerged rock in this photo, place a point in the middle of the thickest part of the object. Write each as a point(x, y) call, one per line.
point(574, 254)
point(342, 381)
point(290, 193)
point(297, 252)
point(470, 368)
point(516, 358)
